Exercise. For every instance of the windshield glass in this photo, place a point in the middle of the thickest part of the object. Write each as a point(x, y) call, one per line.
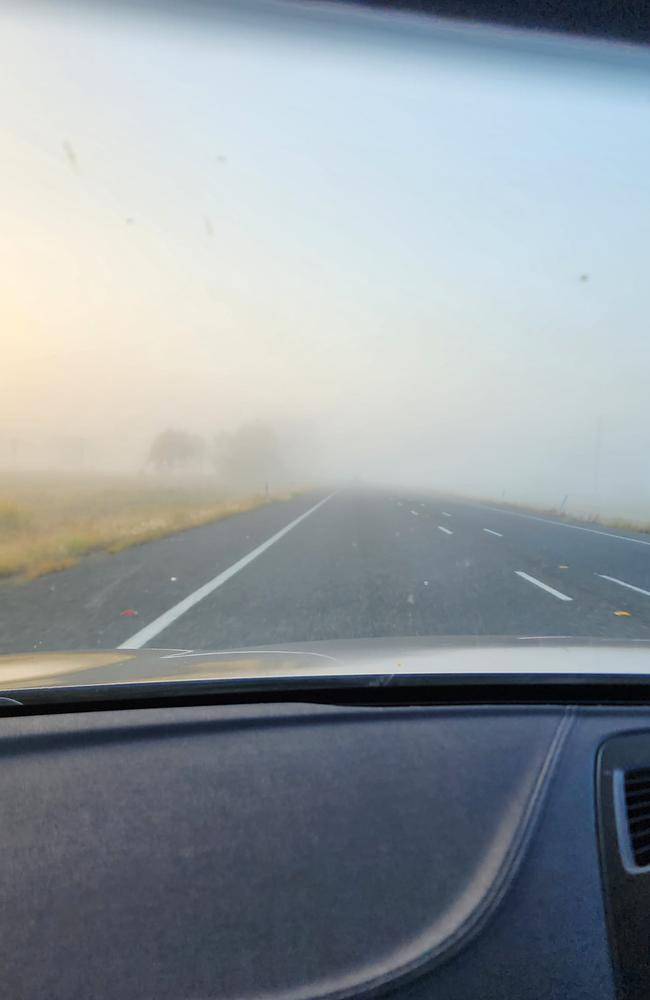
point(320, 325)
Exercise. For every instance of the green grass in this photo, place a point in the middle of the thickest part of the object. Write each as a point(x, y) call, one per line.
point(50, 522)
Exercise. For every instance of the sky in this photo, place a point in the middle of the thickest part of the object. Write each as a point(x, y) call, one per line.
point(417, 249)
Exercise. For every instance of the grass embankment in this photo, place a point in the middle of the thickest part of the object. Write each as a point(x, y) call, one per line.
point(603, 521)
point(48, 523)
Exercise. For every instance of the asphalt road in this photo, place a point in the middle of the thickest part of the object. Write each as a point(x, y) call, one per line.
point(359, 564)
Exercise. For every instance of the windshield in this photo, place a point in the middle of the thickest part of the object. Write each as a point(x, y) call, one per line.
point(319, 325)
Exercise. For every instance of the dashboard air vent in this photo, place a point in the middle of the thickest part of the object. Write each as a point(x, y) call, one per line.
point(637, 803)
point(623, 809)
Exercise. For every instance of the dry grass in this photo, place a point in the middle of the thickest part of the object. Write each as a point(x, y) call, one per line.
point(620, 523)
point(48, 523)
point(623, 524)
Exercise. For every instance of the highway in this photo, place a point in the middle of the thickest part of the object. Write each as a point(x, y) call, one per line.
point(353, 564)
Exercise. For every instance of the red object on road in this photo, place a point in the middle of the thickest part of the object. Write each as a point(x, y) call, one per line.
point(128, 613)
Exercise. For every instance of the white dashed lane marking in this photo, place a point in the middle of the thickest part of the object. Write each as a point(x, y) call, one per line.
point(543, 586)
point(622, 583)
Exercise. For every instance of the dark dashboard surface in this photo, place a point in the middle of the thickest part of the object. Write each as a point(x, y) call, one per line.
point(305, 851)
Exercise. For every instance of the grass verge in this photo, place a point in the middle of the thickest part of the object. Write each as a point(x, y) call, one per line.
point(49, 523)
point(621, 523)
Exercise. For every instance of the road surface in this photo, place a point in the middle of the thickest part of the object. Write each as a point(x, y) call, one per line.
point(356, 564)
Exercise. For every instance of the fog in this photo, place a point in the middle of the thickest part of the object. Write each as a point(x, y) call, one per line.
point(414, 251)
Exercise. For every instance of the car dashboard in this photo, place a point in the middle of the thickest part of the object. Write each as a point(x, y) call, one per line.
point(300, 850)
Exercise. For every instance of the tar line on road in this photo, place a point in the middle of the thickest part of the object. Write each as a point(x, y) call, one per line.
point(153, 629)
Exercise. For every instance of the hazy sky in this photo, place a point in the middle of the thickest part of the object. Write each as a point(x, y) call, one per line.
point(373, 229)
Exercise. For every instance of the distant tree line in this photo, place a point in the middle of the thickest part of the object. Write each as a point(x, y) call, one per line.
point(250, 456)
point(175, 449)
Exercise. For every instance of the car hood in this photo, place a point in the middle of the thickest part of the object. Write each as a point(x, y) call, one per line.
point(451, 656)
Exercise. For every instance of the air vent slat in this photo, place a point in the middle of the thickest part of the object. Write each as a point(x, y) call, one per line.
point(638, 809)
point(640, 792)
point(642, 859)
point(637, 802)
point(641, 840)
point(636, 777)
point(641, 819)
point(636, 805)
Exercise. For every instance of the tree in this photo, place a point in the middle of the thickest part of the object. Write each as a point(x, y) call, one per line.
point(172, 449)
point(249, 457)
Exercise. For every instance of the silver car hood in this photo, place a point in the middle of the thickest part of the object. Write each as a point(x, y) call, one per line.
point(440, 656)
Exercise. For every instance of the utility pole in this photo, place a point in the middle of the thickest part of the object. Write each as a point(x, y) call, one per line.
point(598, 447)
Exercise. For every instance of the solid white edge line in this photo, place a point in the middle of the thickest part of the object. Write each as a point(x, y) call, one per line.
point(557, 524)
point(446, 530)
point(622, 583)
point(168, 617)
point(544, 586)
point(490, 532)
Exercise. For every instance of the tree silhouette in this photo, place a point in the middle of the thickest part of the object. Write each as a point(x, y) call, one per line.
point(249, 457)
point(173, 449)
